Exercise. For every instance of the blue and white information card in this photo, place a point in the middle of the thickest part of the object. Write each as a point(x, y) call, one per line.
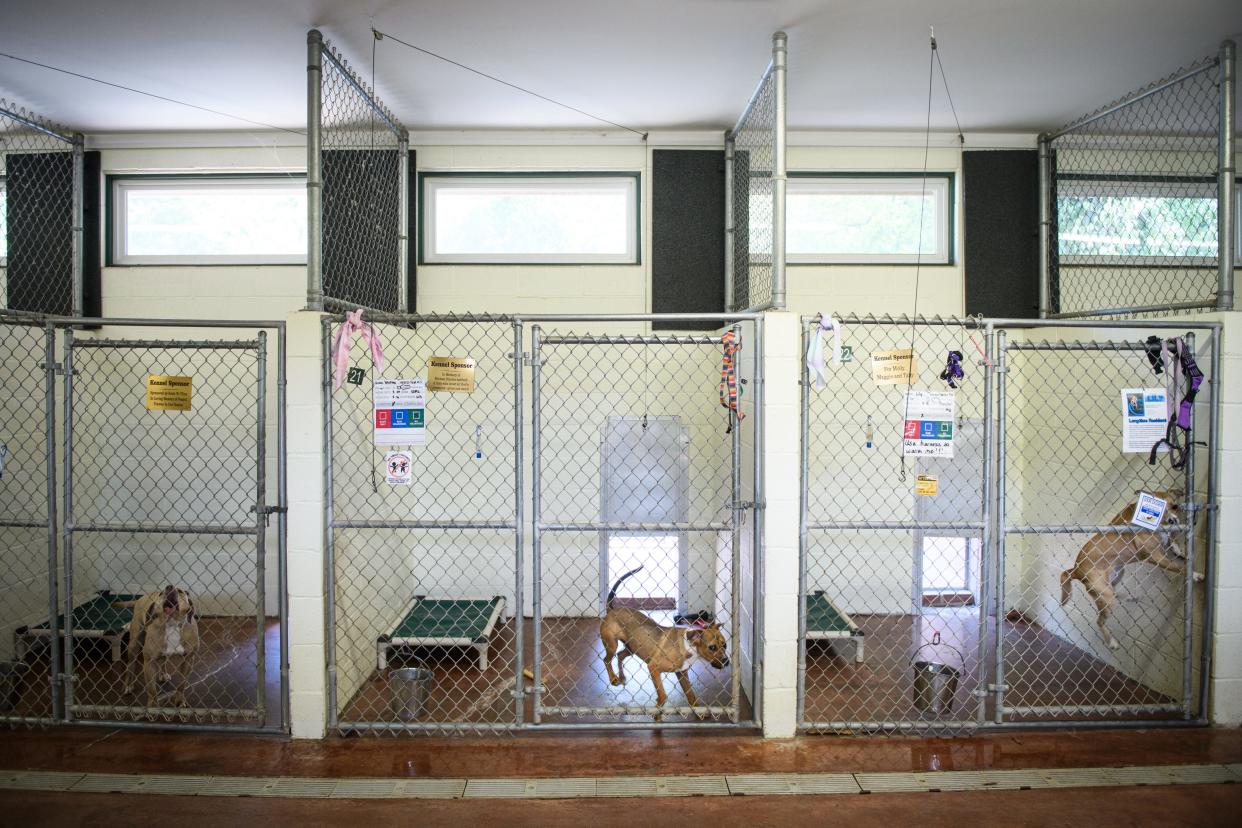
point(400, 412)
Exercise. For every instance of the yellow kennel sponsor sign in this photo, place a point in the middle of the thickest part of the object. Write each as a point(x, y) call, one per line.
point(450, 374)
point(168, 393)
point(892, 367)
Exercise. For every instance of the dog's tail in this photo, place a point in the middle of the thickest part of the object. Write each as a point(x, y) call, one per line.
point(1067, 585)
point(124, 604)
point(612, 593)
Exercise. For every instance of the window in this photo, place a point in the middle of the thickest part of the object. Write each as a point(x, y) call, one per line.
point(588, 218)
point(860, 219)
point(208, 220)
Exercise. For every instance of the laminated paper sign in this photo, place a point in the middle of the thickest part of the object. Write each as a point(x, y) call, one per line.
point(926, 485)
point(454, 374)
point(1149, 511)
point(893, 367)
point(1144, 416)
point(168, 393)
point(929, 424)
point(400, 412)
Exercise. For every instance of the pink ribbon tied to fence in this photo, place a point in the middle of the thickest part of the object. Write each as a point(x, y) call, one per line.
point(344, 340)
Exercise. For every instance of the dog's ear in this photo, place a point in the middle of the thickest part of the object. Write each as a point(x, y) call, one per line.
point(153, 612)
point(694, 636)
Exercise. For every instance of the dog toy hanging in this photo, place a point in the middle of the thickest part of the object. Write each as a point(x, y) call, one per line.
point(952, 373)
point(729, 393)
point(344, 339)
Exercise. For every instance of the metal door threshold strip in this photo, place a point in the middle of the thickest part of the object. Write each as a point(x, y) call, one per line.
point(754, 784)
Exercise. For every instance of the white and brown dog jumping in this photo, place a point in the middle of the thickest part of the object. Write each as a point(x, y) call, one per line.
point(1101, 561)
point(664, 649)
point(163, 639)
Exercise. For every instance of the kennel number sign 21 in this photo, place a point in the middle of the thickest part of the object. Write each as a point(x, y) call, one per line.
point(400, 412)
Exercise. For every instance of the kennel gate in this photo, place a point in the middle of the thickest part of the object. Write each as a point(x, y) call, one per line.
point(431, 576)
point(166, 483)
point(1003, 652)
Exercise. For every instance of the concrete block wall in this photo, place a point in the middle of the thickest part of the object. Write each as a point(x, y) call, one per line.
point(1226, 687)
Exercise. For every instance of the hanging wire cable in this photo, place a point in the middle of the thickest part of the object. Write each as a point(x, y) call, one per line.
point(380, 35)
point(164, 98)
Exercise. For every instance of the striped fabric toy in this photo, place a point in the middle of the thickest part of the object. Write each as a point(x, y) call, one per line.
point(728, 376)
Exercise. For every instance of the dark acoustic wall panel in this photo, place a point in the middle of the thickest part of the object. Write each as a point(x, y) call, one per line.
point(1001, 218)
point(40, 232)
point(687, 234)
point(411, 233)
point(92, 234)
point(360, 227)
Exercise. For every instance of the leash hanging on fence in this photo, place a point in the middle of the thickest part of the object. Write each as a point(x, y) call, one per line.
point(1177, 357)
point(729, 394)
point(344, 340)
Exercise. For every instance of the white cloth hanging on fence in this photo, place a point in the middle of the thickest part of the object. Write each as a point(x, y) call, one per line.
point(815, 353)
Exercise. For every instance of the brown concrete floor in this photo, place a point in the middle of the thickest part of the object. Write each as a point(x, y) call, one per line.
point(96, 750)
point(1041, 669)
point(1183, 805)
point(572, 670)
point(224, 674)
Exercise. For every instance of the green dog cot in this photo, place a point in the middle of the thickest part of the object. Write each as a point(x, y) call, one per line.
point(94, 618)
point(442, 622)
point(824, 621)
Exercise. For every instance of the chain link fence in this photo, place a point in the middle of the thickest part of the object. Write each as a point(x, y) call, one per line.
point(754, 153)
point(27, 528)
point(427, 629)
point(638, 476)
point(359, 204)
point(1133, 201)
point(166, 610)
point(939, 595)
point(40, 204)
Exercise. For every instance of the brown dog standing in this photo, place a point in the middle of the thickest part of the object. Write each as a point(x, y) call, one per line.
point(1100, 562)
point(164, 628)
point(664, 649)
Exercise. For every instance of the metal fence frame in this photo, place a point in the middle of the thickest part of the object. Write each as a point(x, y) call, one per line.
point(51, 135)
point(319, 52)
point(1224, 66)
point(526, 370)
point(59, 374)
point(774, 76)
point(1192, 708)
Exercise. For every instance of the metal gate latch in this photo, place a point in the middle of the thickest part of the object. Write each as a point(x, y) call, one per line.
point(268, 511)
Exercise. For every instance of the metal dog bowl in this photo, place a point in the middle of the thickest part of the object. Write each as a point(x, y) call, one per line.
point(408, 689)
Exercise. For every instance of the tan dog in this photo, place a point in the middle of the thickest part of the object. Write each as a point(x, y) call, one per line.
point(665, 649)
point(1101, 561)
point(164, 628)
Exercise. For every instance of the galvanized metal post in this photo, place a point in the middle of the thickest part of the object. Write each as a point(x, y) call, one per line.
point(403, 229)
point(282, 527)
point(985, 544)
point(778, 173)
point(49, 426)
point(536, 517)
point(804, 465)
point(757, 648)
point(519, 575)
point(1188, 509)
point(329, 549)
point(998, 582)
point(314, 172)
point(1045, 226)
point(728, 188)
point(1213, 518)
point(79, 223)
point(1227, 169)
point(260, 527)
point(735, 549)
point(67, 528)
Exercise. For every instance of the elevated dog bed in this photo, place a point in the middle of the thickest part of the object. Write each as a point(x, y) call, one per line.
point(824, 621)
point(93, 618)
point(442, 622)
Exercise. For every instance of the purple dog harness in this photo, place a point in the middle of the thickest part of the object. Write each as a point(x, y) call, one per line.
point(1181, 361)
